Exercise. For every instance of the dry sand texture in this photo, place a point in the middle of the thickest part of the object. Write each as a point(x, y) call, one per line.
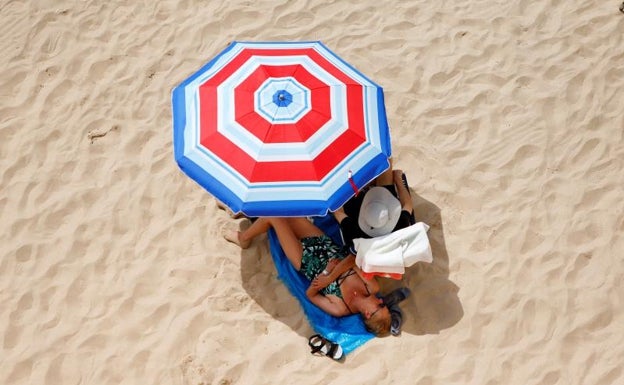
point(507, 116)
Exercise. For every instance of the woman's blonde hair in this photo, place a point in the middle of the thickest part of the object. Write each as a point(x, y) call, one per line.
point(378, 324)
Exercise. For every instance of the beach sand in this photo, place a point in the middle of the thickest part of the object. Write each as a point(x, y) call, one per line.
point(507, 117)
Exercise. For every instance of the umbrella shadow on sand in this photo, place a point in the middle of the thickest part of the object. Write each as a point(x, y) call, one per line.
point(261, 282)
point(433, 304)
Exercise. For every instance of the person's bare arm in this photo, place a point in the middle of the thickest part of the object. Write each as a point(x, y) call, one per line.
point(340, 214)
point(404, 195)
point(325, 304)
point(341, 267)
point(321, 281)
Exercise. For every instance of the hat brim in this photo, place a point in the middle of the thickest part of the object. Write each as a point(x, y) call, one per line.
point(385, 197)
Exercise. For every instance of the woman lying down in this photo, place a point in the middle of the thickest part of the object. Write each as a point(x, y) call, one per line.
point(337, 286)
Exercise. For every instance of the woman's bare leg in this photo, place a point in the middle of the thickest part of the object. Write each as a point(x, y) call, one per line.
point(288, 239)
point(304, 228)
point(244, 238)
point(289, 233)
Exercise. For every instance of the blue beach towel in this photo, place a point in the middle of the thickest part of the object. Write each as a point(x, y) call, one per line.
point(348, 331)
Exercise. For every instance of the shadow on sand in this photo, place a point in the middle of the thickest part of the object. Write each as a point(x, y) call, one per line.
point(261, 282)
point(432, 306)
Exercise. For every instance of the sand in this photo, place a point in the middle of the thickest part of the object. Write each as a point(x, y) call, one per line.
point(507, 117)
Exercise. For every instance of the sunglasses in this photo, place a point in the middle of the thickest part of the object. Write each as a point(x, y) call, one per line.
point(381, 306)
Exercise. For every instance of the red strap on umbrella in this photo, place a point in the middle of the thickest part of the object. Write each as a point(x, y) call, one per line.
point(353, 185)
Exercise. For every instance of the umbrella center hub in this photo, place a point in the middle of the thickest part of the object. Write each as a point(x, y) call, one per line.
point(282, 98)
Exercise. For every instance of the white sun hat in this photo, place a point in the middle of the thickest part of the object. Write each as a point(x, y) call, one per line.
point(379, 213)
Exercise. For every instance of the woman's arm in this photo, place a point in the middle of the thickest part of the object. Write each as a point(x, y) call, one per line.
point(402, 192)
point(329, 307)
point(321, 281)
point(344, 265)
point(340, 214)
point(349, 229)
point(323, 302)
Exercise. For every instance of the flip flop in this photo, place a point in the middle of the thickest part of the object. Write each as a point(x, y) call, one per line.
point(325, 347)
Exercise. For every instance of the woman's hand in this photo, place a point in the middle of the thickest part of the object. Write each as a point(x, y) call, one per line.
point(331, 264)
point(320, 282)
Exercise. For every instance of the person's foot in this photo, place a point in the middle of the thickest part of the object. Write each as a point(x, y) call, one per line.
point(234, 237)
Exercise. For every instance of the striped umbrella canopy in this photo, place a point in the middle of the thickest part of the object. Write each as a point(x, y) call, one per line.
point(280, 128)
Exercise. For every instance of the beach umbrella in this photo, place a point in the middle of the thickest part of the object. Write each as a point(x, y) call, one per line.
point(280, 128)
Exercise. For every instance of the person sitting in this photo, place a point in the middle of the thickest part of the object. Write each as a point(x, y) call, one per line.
point(337, 285)
point(381, 209)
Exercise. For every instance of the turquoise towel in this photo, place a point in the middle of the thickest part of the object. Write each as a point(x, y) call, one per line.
point(348, 331)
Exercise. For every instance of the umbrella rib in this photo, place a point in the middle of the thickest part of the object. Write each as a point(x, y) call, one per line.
point(278, 105)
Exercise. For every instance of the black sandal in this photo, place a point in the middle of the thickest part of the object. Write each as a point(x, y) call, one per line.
point(325, 347)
